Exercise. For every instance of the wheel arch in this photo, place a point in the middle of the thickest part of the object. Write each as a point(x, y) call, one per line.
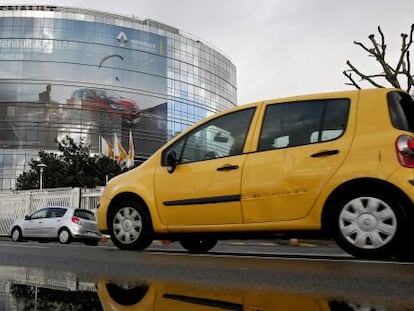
point(18, 227)
point(355, 185)
point(64, 228)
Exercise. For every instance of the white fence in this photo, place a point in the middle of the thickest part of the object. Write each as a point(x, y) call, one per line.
point(15, 204)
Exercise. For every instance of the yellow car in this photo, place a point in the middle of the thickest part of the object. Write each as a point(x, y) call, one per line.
point(340, 164)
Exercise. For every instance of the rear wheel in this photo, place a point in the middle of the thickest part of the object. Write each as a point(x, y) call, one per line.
point(16, 234)
point(369, 225)
point(64, 236)
point(130, 226)
point(196, 245)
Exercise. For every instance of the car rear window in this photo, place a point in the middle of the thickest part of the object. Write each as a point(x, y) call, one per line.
point(81, 213)
point(401, 107)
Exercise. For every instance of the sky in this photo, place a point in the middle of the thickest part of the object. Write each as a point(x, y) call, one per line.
point(280, 48)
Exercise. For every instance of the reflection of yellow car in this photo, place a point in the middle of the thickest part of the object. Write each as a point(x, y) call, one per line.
point(154, 296)
point(340, 163)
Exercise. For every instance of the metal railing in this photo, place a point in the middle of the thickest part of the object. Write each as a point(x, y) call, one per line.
point(16, 204)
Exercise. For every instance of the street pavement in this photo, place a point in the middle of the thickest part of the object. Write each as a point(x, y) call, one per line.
point(250, 247)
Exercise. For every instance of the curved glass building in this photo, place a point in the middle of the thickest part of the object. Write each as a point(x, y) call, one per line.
point(88, 74)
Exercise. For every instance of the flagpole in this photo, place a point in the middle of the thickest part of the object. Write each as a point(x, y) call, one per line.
point(100, 145)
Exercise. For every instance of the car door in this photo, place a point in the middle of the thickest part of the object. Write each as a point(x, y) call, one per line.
point(34, 224)
point(203, 188)
point(300, 146)
point(53, 221)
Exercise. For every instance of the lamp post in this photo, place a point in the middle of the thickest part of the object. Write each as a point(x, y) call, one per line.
point(41, 166)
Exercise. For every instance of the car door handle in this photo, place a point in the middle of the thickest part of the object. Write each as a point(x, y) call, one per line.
point(325, 153)
point(227, 167)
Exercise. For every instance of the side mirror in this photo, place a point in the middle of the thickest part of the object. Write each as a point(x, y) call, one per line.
point(171, 161)
point(27, 217)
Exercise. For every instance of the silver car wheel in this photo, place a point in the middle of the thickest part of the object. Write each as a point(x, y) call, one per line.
point(127, 225)
point(16, 235)
point(367, 223)
point(64, 236)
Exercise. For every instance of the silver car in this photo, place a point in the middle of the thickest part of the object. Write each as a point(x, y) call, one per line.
point(65, 224)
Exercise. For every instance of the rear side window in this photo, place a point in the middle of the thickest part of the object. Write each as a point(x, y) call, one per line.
point(401, 107)
point(81, 213)
point(55, 212)
point(303, 123)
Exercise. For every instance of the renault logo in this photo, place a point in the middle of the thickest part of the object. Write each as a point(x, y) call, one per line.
point(122, 39)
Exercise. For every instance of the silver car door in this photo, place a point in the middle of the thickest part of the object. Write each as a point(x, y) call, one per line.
point(54, 221)
point(34, 225)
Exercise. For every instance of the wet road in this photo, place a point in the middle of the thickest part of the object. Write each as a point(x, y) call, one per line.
point(308, 269)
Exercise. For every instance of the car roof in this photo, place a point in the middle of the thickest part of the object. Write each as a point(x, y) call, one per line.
point(67, 207)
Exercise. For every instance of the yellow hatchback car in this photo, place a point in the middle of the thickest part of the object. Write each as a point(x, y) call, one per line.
point(338, 164)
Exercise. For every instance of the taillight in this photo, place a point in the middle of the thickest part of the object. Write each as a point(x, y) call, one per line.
point(76, 220)
point(405, 150)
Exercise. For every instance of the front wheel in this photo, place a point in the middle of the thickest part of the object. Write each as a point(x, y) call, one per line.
point(370, 226)
point(130, 226)
point(196, 245)
point(16, 234)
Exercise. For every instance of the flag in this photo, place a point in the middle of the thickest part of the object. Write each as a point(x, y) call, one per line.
point(131, 151)
point(106, 148)
point(119, 151)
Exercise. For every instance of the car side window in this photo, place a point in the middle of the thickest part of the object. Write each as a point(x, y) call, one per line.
point(302, 123)
point(221, 137)
point(56, 212)
point(39, 214)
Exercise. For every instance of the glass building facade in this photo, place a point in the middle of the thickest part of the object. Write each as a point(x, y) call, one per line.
point(90, 74)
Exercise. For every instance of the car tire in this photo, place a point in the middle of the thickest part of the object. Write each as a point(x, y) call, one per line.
point(130, 226)
point(64, 236)
point(196, 245)
point(369, 225)
point(127, 295)
point(16, 234)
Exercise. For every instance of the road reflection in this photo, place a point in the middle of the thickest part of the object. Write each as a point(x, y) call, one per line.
point(27, 289)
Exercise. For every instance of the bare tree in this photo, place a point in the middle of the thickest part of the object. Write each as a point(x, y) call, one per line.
point(392, 74)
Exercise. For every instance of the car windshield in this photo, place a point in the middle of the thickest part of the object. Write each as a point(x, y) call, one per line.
point(107, 94)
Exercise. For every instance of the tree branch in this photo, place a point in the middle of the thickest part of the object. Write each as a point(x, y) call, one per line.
point(349, 76)
point(380, 55)
point(363, 76)
point(391, 74)
point(383, 45)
